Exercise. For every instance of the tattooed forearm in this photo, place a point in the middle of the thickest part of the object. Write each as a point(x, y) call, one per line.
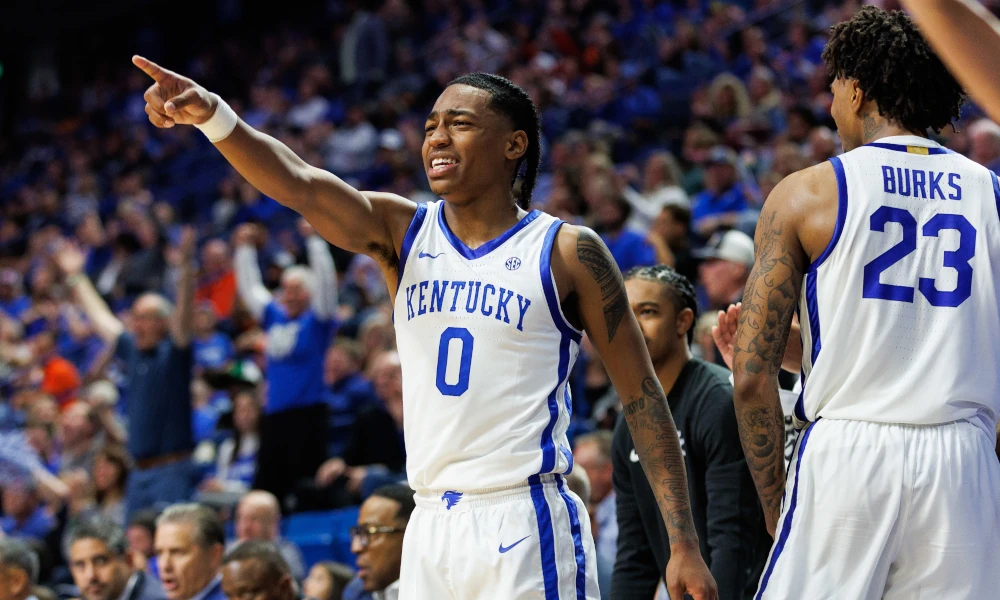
point(659, 450)
point(596, 257)
point(768, 305)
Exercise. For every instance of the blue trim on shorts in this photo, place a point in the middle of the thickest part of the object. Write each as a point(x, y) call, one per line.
point(546, 539)
point(786, 526)
point(411, 234)
point(574, 526)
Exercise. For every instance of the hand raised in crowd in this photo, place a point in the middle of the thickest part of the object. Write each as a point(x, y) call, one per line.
point(69, 258)
point(188, 242)
point(247, 234)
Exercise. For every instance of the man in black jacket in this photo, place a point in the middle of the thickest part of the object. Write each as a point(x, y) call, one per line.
point(727, 514)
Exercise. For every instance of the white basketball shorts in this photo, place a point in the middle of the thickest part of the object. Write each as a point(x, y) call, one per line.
point(875, 510)
point(524, 542)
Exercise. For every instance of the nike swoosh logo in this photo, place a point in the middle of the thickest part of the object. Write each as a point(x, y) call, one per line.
point(425, 255)
point(507, 549)
point(633, 456)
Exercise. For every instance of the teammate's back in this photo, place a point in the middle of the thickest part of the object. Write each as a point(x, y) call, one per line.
point(900, 315)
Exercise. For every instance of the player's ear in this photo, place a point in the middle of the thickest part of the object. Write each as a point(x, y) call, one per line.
point(684, 322)
point(858, 98)
point(517, 145)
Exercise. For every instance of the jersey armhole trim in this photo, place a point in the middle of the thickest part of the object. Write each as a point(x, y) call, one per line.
point(996, 191)
point(411, 235)
point(838, 169)
point(549, 286)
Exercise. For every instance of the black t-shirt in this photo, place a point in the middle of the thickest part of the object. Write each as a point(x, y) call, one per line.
point(724, 503)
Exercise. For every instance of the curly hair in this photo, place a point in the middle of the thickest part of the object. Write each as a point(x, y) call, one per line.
point(513, 102)
point(683, 291)
point(896, 68)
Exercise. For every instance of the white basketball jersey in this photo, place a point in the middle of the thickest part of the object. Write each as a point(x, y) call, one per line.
point(486, 355)
point(900, 315)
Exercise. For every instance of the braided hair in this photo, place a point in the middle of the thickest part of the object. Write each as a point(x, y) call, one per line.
point(510, 100)
point(683, 292)
point(896, 68)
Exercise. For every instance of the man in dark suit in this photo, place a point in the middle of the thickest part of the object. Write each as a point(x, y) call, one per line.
point(189, 543)
point(100, 565)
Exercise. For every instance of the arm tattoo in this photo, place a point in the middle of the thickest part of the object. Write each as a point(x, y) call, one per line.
point(659, 449)
point(595, 256)
point(768, 304)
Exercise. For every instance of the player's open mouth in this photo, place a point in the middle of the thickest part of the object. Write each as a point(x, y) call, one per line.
point(440, 166)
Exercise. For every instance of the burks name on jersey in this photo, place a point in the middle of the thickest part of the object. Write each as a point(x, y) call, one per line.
point(487, 299)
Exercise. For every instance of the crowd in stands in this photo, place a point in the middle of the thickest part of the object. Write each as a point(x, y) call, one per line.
point(168, 334)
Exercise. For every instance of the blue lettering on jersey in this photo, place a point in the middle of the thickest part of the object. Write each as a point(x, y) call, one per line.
point(915, 183)
point(493, 302)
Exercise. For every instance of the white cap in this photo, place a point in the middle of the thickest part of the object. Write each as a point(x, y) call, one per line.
point(734, 246)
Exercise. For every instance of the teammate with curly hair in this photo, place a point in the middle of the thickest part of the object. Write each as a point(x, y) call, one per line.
point(490, 304)
point(890, 254)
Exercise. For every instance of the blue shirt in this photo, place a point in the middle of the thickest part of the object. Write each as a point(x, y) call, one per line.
point(157, 397)
point(214, 352)
point(630, 249)
point(295, 352)
point(16, 307)
point(345, 399)
point(37, 526)
point(706, 204)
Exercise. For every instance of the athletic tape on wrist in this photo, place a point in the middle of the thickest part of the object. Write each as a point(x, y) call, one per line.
point(222, 123)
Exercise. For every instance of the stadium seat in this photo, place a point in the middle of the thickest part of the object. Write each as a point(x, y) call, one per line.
point(322, 535)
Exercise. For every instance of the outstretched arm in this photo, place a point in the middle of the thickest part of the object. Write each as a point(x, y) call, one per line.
point(612, 328)
point(249, 284)
point(70, 261)
point(967, 38)
point(340, 213)
point(766, 317)
point(182, 321)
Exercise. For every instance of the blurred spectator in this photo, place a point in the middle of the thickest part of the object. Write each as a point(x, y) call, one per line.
point(59, 377)
point(347, 393)
point(258, 518)
point(724, 199)
point(327, 581)
point(111, 472)
point(670, 236)
point(213, 350)
point(985, 137)
point(18, 570)
point(592, 453)
point(300, 325)
point(375, 452)
point(25, 515)
point(628, 247)
point(236, 464)
point(190, 541)
point(140, 533)
point(377, 540)
point(158, 362)
point(217, 282)
point(101, 567)
point(726, 263)
point(13, 301)
point(255, 569)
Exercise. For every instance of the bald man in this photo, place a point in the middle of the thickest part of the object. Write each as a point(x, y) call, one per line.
point(258, 518)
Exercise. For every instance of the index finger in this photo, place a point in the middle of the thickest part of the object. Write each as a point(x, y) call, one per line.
point(150, 68)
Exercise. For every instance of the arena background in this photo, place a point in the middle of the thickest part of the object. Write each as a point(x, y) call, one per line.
point(664, 124)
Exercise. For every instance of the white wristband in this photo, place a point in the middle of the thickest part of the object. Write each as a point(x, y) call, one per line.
point(221, 124)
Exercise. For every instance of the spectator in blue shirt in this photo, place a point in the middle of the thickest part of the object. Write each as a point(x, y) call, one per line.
point(158, 362)
point(628, 247)
point(724, 199)
point(347, 392)
point(299, 325)
point(26, 516)
point(213, 350)
point(12, 298)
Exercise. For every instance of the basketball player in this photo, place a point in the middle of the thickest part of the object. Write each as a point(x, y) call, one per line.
point(491, 302)
point(890, 253)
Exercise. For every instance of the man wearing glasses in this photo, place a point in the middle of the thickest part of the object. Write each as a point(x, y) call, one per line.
point(377, 540)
